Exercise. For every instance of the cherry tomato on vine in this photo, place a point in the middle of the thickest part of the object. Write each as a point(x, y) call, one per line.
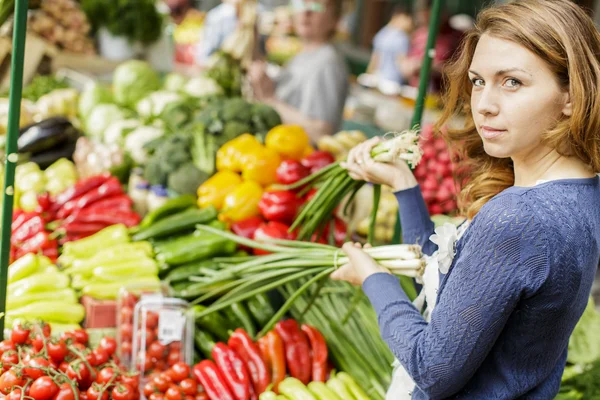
point(181, 371)
point(66, 393)
point(93, 393)
point(132, 380)
point(161, 383)
point(108, 344)
point(105, 375)
point(14, 395)
point(123, 392)
point(78, 371)
point(7, 345)
point(189, 386)
point(38, 342)
point(150, 388)
point(174, 393)
point(101, 356)
point(9, 359)
point(34, 369)
point(9, 379)
point(57, 351)
point(81, 336)
point(19, 334)
point(156, 396)
point(43, 388)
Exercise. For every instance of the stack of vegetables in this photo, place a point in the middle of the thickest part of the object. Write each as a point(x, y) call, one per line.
point(435, 174)
point(101, 264)
point(37, 290)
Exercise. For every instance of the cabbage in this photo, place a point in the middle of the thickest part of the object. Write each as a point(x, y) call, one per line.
point(154, 104)
point(118, 130)
point(92, 95)
point(133, 80)
point(202, 86)
point(101, 117)
point(135, 141)
point(174, 82)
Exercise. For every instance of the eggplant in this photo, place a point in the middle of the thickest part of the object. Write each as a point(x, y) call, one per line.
point(45, 135)
point(48, 157)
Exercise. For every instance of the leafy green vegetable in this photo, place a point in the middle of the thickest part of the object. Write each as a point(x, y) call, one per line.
point(227, 72)
point(40, 86)
point(133, 80)
point(167, 157)
point(186, 179)
point(92, 95)
point(584, 385)
point(584, 346)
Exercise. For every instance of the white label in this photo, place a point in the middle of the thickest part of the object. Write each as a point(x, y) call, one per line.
point(170, 326)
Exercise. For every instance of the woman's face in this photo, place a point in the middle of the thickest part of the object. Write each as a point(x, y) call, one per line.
point(314, 20)
point(515, 98)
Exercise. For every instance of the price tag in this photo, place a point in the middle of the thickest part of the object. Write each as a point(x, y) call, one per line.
point(170, 326)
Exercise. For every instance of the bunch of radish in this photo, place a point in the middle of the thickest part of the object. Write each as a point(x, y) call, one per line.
point(435, 174)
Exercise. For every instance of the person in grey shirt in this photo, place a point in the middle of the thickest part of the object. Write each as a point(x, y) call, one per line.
point(311, 91)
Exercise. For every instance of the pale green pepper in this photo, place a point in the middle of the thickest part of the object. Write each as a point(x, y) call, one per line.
point(107, 237)
point(66, 295)
point(322, 392)
point(58, 311)
point(357, 392)
point(336, 385)
point(39, 282)
point(113, 255)
point(23, 267)
point(110, 291)
point(295, 390)
point(268, 396)
point(114, 272)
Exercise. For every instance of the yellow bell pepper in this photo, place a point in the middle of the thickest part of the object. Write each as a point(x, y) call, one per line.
point(229, 156)
point(215, 189)
point(260, 165)
point(289, 141)
point(308, 151)
point(242, 203)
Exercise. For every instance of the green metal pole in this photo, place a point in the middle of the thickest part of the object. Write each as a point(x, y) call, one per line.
point(14, 115)
point(434, 27)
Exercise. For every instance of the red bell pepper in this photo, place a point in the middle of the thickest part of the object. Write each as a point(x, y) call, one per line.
point(28, 229)
point(243, 345)
point(212, 380)
point(273, 351)
point(271, 230)
point(281, 205)
point(233, 369)
point(79, 189)
point(297, 350)
point(108, 189)
point(291, 171)
point(105, 216)
point(246, 228)
point(318, 353)
point(317, 160)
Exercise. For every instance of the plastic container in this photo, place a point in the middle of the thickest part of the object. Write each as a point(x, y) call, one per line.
point(129, 297)
point(163, 335)
point(157, 197)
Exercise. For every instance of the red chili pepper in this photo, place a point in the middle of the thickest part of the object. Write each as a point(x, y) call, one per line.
point(233, 369)
point(21, 218)
point(74, 237)
point(51, 253)
point(317, 160)
point(119, 202)
point(44, 202)
point(273, 351)
point(105, 216)
point(212, 380)
point(28, 229)
point(109, 188)
point(281, 205)
point(246, 228)
point(34, 244)
point(243, 345)
point(291, 171)
point(297, 350)
point(79, 189)
point(318, 353)
point(76, 227)
point(271, 230)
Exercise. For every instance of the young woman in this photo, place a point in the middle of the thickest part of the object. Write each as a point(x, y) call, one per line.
point(515, 284)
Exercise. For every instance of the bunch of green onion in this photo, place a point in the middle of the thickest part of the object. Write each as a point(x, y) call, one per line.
point(334, 185)
point(290, 261)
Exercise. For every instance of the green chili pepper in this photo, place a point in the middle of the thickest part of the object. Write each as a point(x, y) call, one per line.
point(322, 392)
point(353, 387)
point(204, 343)
point(243, 315)
point(295, 390)
point(193, 248)
point(23, 267)
point(170, 207)
point(177, 223)
point(213, 323)
point(261, 308)
point(183, 272)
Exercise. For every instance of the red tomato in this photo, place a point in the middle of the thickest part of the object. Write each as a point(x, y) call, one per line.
point(9, 379)
point(34, 372)
point(57, 351)
point(161, 383)
point(63, 367)
point(126, 348)
point(151, 320)
point(105, 375)
point(123, 392)
point(150, 336)
point(126, 331)
point(132, 379)
point(9, 359)
point(129, 300)
point(147, 364)
point(189, 386)
point(150, 388)
point(93, 393)
point(157, 350)
point(66, 393)
point(175, 346)
point(174, 358)
point(108, 344)
point(38, 342)
point(68, 337)
point(181, 371)
point(81, 336)
point(126, 314)
point(43, 388)
point(157, 396)
point(202, 396)
point(101, 356)
point(78, 371)
point(174, 393)
point(83, 396)
point(19, 335)
point(7, 345)
point(14, 395)
point(161, 365)
point(46, 330)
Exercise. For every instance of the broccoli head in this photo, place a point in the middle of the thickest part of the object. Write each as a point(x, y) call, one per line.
point(237, 110)
point(234, 129)
point(267, 116)
point(186, 179)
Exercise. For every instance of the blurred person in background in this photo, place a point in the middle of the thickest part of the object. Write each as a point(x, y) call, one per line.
point(311, 90)
point(391, 46)
point(220, 22)
point(178, 9)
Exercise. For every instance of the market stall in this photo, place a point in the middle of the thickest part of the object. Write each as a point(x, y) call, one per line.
point(165, 237)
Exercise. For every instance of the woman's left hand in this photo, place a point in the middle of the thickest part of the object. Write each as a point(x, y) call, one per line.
point(360, 265)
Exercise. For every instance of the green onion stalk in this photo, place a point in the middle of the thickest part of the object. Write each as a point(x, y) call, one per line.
point(290, 262)
point(334, 185)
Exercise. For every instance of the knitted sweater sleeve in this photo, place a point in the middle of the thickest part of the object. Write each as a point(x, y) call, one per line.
point(503, 259)
point(414, 219)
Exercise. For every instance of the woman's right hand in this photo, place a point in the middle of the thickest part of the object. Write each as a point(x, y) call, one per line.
point(361, 166)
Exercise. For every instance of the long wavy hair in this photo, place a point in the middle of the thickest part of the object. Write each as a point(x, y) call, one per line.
point(563, 36)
